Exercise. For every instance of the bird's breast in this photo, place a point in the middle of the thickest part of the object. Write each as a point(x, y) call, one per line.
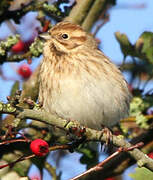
point(83, 93)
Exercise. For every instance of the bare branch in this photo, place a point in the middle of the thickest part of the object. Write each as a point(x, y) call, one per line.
point(90, 134)
point(101, 164)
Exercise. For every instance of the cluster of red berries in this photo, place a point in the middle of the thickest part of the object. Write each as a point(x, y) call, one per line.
point(24, 70)
point(21, 47)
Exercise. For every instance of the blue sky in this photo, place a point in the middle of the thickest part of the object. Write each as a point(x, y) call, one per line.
point(130, 21)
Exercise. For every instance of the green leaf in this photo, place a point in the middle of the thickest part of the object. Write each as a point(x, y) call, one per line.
point(149, 54)
point(144, 45)
point(126, 46)
point(136, 106)
point(143, 48)
point(140, 106)
point(142, 174)
point(39, 162)
point(5, 45)
point(147, 40)
point(36, 48)
point(15, 87)
point(89, 155)
point(141, 120)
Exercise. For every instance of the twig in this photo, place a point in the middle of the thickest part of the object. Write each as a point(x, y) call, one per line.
point(79, 11)
point(97, 8)
point(101, 164)
point(48, 9)
point(13, 141)
point(22, 158)
point(132, 119)
point(104, 17)
point(10, 133)
point(98, 27)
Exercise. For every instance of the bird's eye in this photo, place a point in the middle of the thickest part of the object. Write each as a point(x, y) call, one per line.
point(65, 36)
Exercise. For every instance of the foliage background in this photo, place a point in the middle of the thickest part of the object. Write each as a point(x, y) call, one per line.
point(129, 17)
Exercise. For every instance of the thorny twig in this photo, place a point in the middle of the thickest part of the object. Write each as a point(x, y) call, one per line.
point(101, 164)
point(10, 133)
point(104, 17)
point(13, 141)
point(98, 27)
point(22, 158)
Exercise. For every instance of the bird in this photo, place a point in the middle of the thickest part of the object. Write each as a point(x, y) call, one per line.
point(79, 82)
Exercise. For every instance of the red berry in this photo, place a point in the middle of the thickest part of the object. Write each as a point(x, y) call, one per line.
point(151, 155)
point(35, 177)
point(39, 147)
point(117, 133)
point(130, 88)
point(29, 61)
point(24, 71)
point(18, 47)
point(46, 26)
point(110, 178)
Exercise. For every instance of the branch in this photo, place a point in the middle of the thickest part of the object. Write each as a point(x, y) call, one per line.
point(97, 8)
point(50, 10)
point(101, 164)
point(5, 45)
point(35, 50)
point(23, 158)
point(133, 119)
point(86, 12)
point(79, 11)
point(122, 161)
point(90, 134)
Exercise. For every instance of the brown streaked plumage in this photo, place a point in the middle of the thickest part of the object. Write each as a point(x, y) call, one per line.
point(78, 81)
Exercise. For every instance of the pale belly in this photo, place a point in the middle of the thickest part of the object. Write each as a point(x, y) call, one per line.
point(91, 102)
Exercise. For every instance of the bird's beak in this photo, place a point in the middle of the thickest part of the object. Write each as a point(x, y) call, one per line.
point(45, 36)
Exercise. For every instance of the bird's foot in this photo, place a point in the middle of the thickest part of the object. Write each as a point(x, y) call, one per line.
point(109, 137)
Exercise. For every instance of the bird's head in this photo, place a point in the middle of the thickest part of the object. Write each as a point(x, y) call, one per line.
point(66, 37)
